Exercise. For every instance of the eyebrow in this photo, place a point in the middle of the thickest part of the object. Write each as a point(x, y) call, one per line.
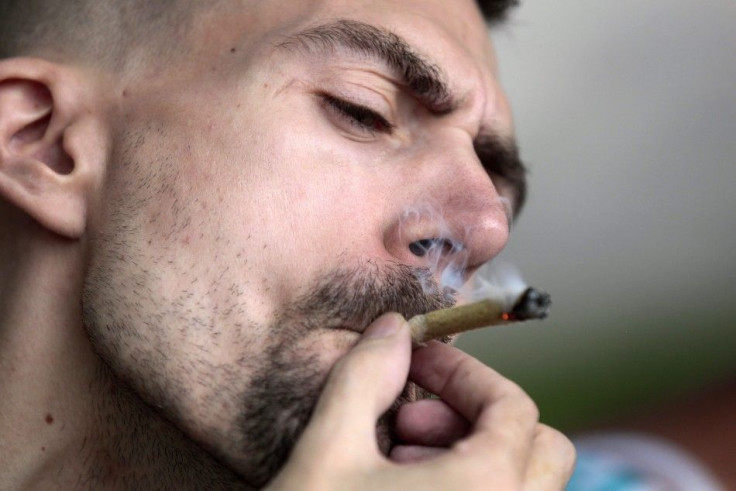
point(423, 79)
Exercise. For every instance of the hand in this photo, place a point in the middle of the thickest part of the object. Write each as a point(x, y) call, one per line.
point(483, 433)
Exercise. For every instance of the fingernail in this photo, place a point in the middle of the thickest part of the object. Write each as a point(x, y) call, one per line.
point(384, 326)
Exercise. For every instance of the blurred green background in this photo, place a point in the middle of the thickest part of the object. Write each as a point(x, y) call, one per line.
point(626, 114)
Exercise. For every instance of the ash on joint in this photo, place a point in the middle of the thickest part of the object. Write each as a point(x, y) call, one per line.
point(532, 304)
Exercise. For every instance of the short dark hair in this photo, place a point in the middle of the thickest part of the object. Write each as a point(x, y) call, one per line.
point(496, 10)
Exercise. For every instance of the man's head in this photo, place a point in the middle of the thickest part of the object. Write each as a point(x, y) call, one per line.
point(252, 184)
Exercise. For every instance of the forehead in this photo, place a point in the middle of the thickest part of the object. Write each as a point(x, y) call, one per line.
point(451, 33)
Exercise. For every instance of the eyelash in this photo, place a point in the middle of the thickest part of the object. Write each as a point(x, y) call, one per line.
point(364, 118)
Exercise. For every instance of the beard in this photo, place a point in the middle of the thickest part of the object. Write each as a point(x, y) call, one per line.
point(180, 337)
point(265, 414)
point(283, 393)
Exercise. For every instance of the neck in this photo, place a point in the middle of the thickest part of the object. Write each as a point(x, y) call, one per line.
point(66, 421)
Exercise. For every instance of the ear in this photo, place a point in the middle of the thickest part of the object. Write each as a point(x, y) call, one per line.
point(51, 147)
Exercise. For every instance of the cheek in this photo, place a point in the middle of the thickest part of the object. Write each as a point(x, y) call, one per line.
point(200, 244)
point(168, 271)
point(302, 201)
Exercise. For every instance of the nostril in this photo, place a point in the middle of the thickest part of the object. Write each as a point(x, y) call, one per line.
point(443, 247)
point(420, 248)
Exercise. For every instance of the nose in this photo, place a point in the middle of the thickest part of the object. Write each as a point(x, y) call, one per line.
point(454, 219)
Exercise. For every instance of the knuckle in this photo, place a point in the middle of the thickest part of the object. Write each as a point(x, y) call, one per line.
point(525, 408)
point(568, 453)
point(509, 388)
point(461, 373)
point(528, 408)
point(558, 443)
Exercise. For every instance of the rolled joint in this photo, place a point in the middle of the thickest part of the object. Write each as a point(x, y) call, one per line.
point(531, 304)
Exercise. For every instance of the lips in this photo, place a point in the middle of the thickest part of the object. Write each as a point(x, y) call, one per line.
point(351, 328)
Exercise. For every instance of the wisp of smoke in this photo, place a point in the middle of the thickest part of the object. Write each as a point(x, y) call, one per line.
point(496, 279)
point(446, 258)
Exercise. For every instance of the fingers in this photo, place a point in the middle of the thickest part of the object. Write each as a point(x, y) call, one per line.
point(361, 386)
point(552, 461)
point(504, 417)
point(482, 434)
point(427, 428)
point(407, 454)
point(430, 423)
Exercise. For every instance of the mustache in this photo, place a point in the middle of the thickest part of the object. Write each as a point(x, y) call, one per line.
point(354, 297)
point(281, 397)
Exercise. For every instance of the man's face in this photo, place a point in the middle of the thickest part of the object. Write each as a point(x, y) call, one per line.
point(271, 194)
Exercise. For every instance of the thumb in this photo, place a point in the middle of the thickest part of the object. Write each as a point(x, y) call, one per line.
point(362, 385)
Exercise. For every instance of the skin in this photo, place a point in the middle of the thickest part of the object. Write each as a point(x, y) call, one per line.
point(149, 304)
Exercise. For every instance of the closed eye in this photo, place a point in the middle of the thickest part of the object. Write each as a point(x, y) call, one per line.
point(358, 116)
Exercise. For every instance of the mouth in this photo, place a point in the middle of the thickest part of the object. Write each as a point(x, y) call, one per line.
point(358, 326)
point(350, 328)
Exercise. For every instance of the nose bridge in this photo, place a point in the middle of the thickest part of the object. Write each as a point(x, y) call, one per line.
point(456, 218)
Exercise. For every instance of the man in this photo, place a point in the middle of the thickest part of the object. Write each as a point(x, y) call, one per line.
point(209, 211)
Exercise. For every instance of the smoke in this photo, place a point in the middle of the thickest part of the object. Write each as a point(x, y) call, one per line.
point(444, 254)
point(446, 259)
point(447, 262)
point(497, 279)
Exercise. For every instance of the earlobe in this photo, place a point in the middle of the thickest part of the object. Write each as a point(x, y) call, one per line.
point(48, 162)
